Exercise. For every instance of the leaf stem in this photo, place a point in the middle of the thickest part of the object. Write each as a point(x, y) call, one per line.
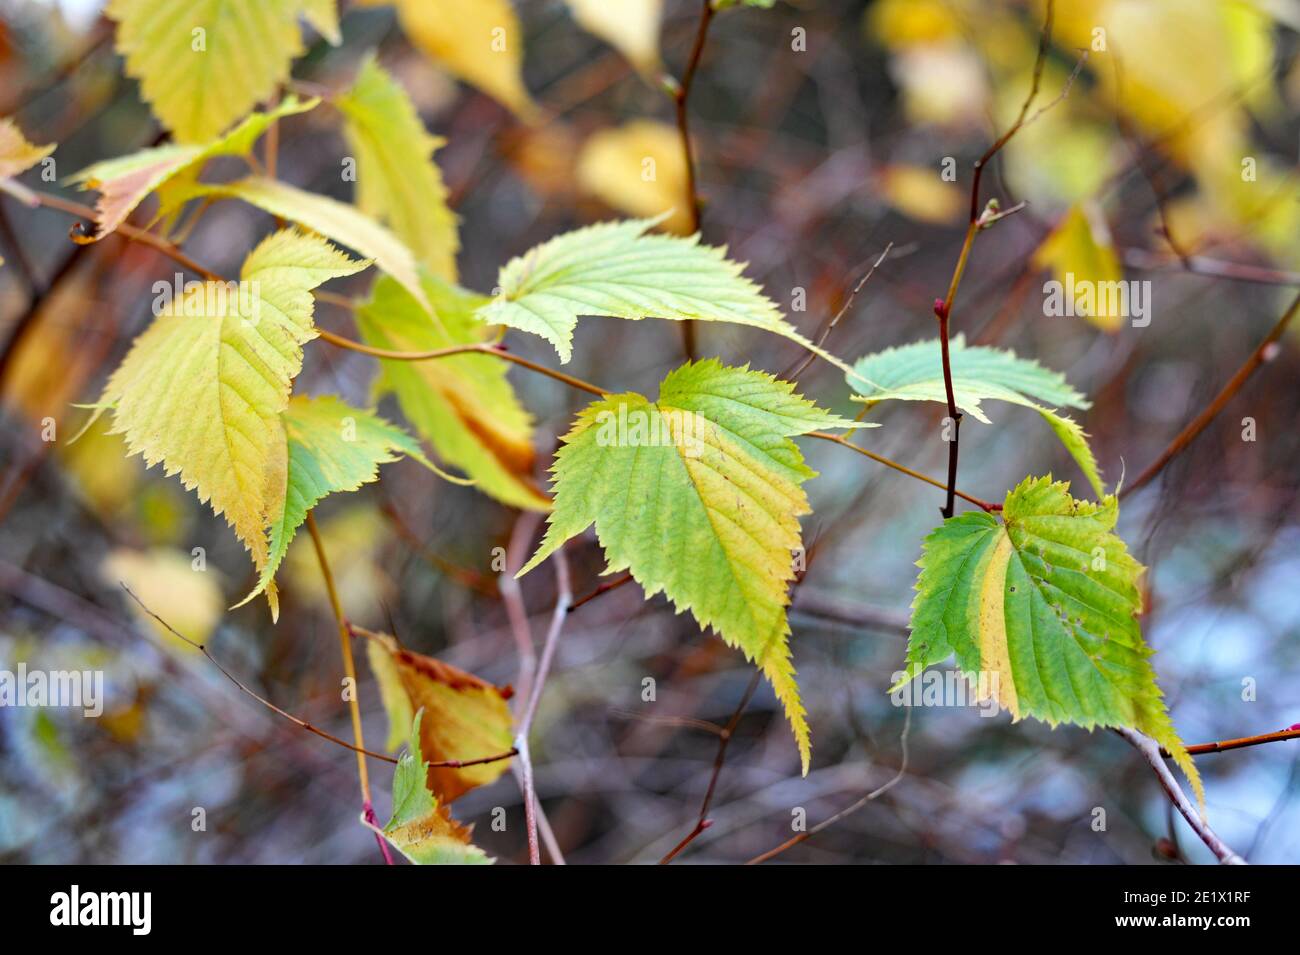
point(349, 670)
point(881, 459)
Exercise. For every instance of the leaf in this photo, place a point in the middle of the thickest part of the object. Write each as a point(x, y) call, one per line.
point(422, 829)
point(123, 183)
point(631, 26)
point(331, 447)
point(698, 495)
point(202, 389)
point(323, 15)
point(335, 220)
point(16, 153)
point(480, 42)
point(915, 373)
point(466, 718)
point(638, 168)
point(1043, 606)
point(397, 180)
point(463, 404)
point(1080, 255)
point(202, 64)
point(613, 269)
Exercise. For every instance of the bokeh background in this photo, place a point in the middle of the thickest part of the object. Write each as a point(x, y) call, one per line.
point(811, 161)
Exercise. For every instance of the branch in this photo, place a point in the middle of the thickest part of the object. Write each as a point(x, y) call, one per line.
point(1265, 352)
point(350, 671)
point(724, 740)
point(1223, 746)
point(265, 702)
point(1150, 750)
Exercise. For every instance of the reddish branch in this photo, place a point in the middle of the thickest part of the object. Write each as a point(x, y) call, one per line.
point(1266, 350)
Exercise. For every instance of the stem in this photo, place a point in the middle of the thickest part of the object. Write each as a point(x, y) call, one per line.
point(261, 699)
point(349, 670)
point(563, 598)
point(724, 739)
point(34, 198)
point(1150, 751)
point(1222, 746)
point(880, 459)
point(681, 94)
point(1267, 348)
point(975, 222)
point(481, 348)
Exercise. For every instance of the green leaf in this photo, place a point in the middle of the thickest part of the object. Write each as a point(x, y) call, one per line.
point(203, 388)
point(397, 180)
point(915, 373)
point(420, 828)
point(331, 447)
point(698, 495)
point(202, 64)
point(614, 269)
point(123, 183)
point(1040, 610)
point(463, 405)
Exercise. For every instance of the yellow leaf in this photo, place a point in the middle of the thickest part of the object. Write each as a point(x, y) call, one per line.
point(638, 168)
point(631, 26)
point(168, 583)
point(465, 718)
point(920, 194)
point(202, 64)
point(16, 153)
point(1081, 257)
point(202, 389)
point(479, 41)
point(397, 180)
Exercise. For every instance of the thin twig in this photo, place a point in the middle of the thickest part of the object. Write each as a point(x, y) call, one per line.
point(1266, 350)
point(798, 369)
point(1223, 746)
point(1150, 750)
point(881, 459)
point(681, 92)
point(350, 671)
point(848, 810)
point(563, 597)
point(604, 588)
point(261, 699)
point(724, 740)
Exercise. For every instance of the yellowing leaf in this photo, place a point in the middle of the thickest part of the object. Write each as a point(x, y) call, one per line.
point(397, 180)
point(919, 193)
point(613, 269)
point(480, 41)
point(698, 495)
point(632, 26)
point(323, 15)
point(202, 64)
point(421, 827)
point(638, 168)
point(898, 23)
point(1040, 610)
point(463, 404)
point(335, 220)
point(169, 584)
point(465, 718)
point(1083, 261)
point(202, 389)
point(16, 153)
point(123, 183)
